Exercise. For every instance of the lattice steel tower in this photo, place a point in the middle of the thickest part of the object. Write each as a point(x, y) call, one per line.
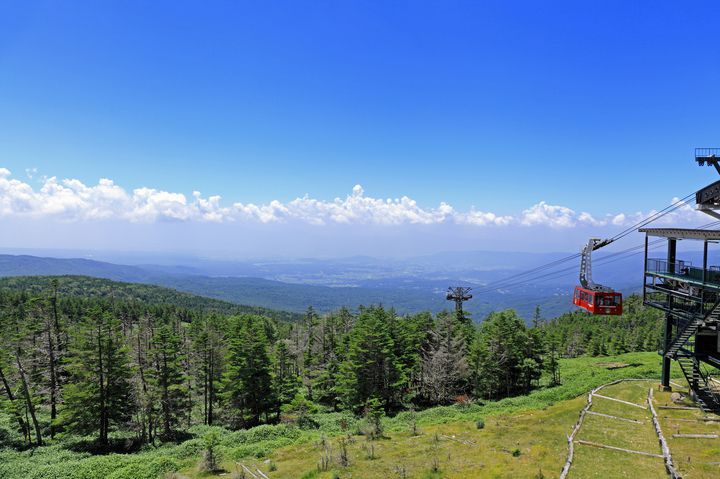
point(459, 294)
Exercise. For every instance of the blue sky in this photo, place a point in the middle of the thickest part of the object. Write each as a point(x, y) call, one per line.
point(496, 106)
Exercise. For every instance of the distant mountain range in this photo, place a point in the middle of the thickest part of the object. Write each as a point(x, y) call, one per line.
point(409, 285)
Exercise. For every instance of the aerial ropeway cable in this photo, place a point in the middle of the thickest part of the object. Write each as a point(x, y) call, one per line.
point(596, 298)
point(668, 209)
point(611, 258)
point(593, 297)
point(513, 279)
point(604, 260)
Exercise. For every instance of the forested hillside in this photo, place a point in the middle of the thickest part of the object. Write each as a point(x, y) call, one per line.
point(577, 333)
point(409, 288)
point(90, 287)
point(120, 366)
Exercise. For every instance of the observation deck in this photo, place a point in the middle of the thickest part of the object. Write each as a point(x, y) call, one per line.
point(689, 295)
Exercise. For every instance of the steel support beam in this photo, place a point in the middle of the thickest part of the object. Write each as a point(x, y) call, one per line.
point(667, 340)
point(645, 270)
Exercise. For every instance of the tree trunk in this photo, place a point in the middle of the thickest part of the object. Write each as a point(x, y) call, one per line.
point(11, 398)
point(211, 386)
point(28, 399)
point(101, 378)
point(53, 379)
point(147, 407)
point(56, 318)
point(206, 382)
point(167, 430)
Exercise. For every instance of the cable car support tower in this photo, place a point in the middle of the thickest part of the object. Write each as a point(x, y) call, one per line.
point(459, 295)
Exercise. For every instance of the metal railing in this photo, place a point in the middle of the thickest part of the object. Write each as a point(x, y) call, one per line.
point(668, 267)
point(684, 269)
point(703, 153)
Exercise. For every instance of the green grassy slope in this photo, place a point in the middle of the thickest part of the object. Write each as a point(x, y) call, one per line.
point(535, 425)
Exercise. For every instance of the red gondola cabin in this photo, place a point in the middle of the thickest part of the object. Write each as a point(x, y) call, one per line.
point(598, 302)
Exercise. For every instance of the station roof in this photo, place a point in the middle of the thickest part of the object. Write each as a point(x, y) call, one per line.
point(683, 233)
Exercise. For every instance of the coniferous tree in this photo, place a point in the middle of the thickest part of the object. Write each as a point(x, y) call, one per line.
point(285, 381)
point(12, 405)
point(98, 395)
point(248, 393)
point(22, 335)
point(411, 336)
point(207, 345)
point(551, 363)
point(499, 358)
point(444, 365)
point(144, 392)
point(169, 378)
point(370, 369)
point(10, 326)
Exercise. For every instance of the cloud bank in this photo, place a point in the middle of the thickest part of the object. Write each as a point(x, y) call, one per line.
point(72, 200)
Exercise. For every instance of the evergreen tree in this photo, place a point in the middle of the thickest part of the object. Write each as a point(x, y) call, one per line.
point(247, 389)
point(98, 395)
point(503, 362)
point(370, 369)
point(551, 363)
point(285, 381)
point(444, 366)
point(207, 350)
point(168, 377)
point(411, 336)
point(22, 331)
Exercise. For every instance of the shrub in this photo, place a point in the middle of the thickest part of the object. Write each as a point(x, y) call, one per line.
point(412, 421)
point(343, 456)
point(373, 415)
point(188, 449)
point(96, 467)
point(462, 400)
point(299, 412)
point(161, 466)
point(143, 469)
point(261, 433)
point(480, 424)
point(335, 422)
point(211, 441)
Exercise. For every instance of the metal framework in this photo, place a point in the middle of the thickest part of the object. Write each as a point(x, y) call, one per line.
point(708, 198)
point(459, 294)
point(586, 265)
point(689, 296)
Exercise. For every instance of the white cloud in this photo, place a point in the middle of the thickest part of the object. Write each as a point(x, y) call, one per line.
point(550, 215)
point(72, 200)
point(480, 218)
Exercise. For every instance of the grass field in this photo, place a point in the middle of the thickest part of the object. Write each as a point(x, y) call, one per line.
point(592, 462)
point(522, 437)
point(693, 457)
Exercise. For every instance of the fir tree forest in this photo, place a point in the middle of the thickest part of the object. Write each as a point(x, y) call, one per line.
point(124, 374)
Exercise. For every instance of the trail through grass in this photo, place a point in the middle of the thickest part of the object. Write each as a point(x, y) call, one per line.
point(522, 437)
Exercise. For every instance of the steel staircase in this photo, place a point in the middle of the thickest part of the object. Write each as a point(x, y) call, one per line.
point(690, 328)
point(707, 398)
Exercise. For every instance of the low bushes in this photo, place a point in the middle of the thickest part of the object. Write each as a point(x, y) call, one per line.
point(69, 457)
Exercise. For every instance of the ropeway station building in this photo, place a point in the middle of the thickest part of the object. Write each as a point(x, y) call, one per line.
point(689, 295)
